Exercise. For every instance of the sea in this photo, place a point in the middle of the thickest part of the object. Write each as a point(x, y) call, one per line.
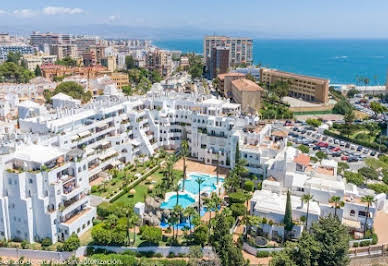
point(342, 61)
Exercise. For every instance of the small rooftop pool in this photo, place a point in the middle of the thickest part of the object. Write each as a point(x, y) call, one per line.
point(209, 186)
point(184, 201)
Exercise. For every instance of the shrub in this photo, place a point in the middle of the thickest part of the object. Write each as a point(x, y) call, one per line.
point(368, 173)
point(24, 244)
point(151, 234)
point(354, 178)
point(262, 254)
point(237, 197)
point(364, 243)
point(314, 122)
point(304, 148)
point(46, 242)
point(379, 188)
point(201, 235)
point(249, 185)
point(355, 244)
point(94, 189)
point(238, 209)
point(72, 243)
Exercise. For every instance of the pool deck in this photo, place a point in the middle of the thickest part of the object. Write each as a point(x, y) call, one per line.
point(199, 167)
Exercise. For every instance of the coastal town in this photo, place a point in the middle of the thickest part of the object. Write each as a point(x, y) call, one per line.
point(116, 151)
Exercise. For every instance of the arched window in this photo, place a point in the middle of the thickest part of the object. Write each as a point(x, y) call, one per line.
point(352, 213)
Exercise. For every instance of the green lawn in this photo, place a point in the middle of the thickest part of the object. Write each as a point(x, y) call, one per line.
point(86, 237)
point(141, 190)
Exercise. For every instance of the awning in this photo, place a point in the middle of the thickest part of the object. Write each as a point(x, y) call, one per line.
point(107, 154)
point(103, 125)
point(84, 134)
point(351, 224)
point(89, 151)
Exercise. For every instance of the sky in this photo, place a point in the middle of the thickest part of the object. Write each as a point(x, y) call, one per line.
point(275, 18)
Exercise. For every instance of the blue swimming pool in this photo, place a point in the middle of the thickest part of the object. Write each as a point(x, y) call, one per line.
point(208, 186)
point(183, 200)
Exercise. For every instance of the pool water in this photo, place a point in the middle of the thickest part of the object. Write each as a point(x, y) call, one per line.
point(183, 200)
point(208, 186)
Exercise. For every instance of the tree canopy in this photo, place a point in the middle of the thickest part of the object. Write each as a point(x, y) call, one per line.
point(67, 61)
point(70, 88)
point(326, 244)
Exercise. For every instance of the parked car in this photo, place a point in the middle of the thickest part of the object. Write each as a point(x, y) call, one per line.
point(323, 144)
point(352, 159)
point(316, 148)
point(373, 153)
point(342, 143)
point(359, 148)
point(336, 154)
point(336, 149)
point(344, 158)
point(337, 141)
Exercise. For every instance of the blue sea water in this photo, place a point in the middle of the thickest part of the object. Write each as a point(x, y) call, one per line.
point(341, 61)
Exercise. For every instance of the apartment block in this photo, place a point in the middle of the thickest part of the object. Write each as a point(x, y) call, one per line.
point(218, 62)
point(240, 49)
point(159, 60)
point(44, 40)
point(33, 61)
point(15, 48)
point(121, 79)
point(63, 50)
point(224, 85)
point(248, 94)
point(310, 89)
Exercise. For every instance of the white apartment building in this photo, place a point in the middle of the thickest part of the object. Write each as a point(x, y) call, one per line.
point(46, 177)
point(292, 171)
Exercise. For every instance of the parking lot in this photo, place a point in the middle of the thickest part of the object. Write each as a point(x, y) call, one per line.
point(336, 149)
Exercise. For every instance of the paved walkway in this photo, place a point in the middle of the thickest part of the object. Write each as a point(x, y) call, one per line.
point(195, 166)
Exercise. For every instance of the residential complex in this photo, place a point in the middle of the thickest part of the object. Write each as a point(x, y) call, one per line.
point(240, 49)
point(218, 62)
point(21, 48)
point(307, 88)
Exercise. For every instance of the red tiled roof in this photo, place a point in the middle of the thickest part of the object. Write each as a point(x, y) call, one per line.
point(302, 159)
point(246, 85)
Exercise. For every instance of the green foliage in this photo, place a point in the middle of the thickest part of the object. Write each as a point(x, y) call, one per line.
point(272, 110)
point(304, 148)
point(327, 244)
point(38, 71)
point(196, 66)
point(238, 209)
point(67, 61)
point(352, 92)
point(201, 235)
point(249, 186)
point(127, 90)
point(379, 188)
point(368, 173)
point(71, 244)
point(377, 107)
point(237, 197)
point(70, 88)
point(155, 76)
point(12, 72)
point(223, 243)
point(354, 178)
point(263, 254)
point(321, 155)
point(111, 231)
point(288, 224)
point(46, 242)
point(342, 107)
point(314, 122)
point(343, 165)
point(151, 234)
point(129, 62)
point(14, 57)
point(117, 208)
point(122, 259)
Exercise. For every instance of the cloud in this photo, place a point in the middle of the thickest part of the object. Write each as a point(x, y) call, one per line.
point(2, 12)
point(113, 18)
point(25, 13)
point(58, 10)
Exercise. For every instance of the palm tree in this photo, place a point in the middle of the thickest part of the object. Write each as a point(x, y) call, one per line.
point(199, 180)
point(177, 212)
point(218, 165)
point(184, 151)
point(338, 203)
point(306, 198)
point(211, 205)
point(349, 118)
point(250, 220)
point(189, 212)
point(176, 189)
point(368, 199)
point(134, 220)
point(173, 220)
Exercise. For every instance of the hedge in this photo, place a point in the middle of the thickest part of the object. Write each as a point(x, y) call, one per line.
point(373, 145)
point(263, 254)
point(134, 184)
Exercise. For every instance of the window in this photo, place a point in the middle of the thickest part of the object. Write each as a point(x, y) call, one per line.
point(30, 181)
point(352, 213)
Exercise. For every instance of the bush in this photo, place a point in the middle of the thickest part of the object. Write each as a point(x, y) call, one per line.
point(71, 244)
point(151, 234)
point(201, 235)
point(314, 122)
point(343, 165)
point(354, 178)
point(238, 209)
point(368, 173)
point(355, 244)
point(342, 107)
point(94, 189)
point(379, 188)
point(262, 254)
point(304, 148)
point(249, 186)
point(24, 244)
point(364, 243)
point(46, 242)
point(237, 197)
